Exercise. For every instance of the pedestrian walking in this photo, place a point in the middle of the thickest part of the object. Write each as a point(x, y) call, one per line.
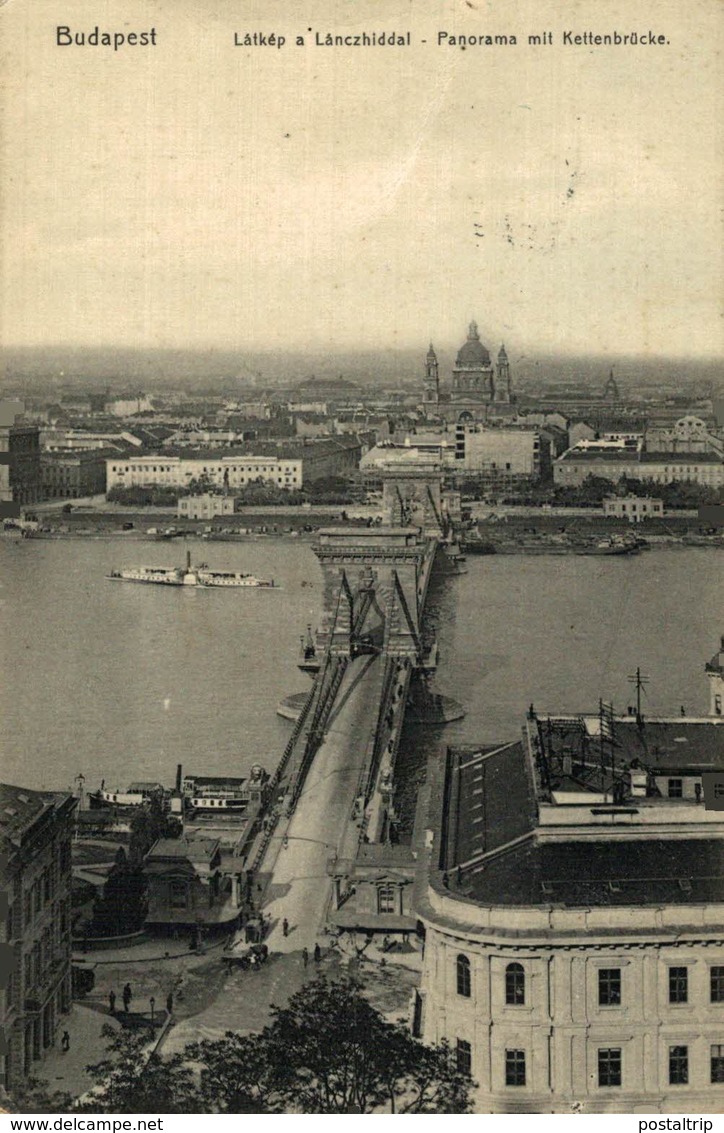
point(285, 927)
point(169, 1003)
point(317, 953)
point(112, 1002)
point(65, 1041)
point(127, 997)
point(305, 956)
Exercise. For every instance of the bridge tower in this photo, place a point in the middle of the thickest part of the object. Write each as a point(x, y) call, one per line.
point(412, 496)
point(375, 582)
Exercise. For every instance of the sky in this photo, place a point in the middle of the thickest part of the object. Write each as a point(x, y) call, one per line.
point(198, 194)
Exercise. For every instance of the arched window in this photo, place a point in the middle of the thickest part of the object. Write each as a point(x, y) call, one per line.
point(463, 975)
point(515, 984)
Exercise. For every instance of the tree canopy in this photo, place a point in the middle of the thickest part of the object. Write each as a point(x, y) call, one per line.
point(122, 906)
point(132, 1080)
point(328, 1051)
point(149, 823)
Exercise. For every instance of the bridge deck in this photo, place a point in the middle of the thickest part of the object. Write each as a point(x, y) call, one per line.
point(300, 885)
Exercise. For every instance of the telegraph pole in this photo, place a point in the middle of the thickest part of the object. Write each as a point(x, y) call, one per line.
point(639, 680)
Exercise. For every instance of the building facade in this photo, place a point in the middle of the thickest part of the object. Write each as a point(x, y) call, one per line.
point(72, 475)
point(222, 471)
point(286, 465)
point(571, 894)
point(633, 508)
point(690, 434)
point(611, 460)
point(206, 506)
point(498, 452)
point(20, 481)
point(189, 887)
point(36, 831)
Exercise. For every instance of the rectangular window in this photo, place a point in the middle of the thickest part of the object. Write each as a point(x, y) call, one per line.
point(676, 788)
point(178, 895)
point(515, 1067)
point(678, 1065)
point(609, 1066)
point(716, 977)
point(678, 985)
point(717, 1064)
point(609, 987)
point(463, 1057)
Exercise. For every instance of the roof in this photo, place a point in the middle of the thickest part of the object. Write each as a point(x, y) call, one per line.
point(214, 780)
point(680, 457)
point(20, 807)
point(671, 744)
point(187, 849)
point(472, 352)
point(592, 455)
point(653, 871)
point(627, 455)
point(489, 851)
point(489, 801)
point(384, 856)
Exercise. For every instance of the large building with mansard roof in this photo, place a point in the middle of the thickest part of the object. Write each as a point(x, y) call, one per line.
point(571, 889)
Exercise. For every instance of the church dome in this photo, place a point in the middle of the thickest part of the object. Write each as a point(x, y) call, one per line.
point(472, 352)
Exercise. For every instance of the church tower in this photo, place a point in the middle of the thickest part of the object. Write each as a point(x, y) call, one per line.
point(503, 389)
point(431, 396)
point(610, 390)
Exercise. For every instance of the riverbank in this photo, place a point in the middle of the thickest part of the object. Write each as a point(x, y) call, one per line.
point(530, 531)
point(507, 530)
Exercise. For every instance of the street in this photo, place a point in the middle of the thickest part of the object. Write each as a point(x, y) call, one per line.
point(300, 885)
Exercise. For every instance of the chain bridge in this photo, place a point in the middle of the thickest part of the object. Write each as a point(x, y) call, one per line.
point(335, 783)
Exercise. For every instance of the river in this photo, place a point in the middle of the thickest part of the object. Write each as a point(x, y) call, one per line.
point(123, 682)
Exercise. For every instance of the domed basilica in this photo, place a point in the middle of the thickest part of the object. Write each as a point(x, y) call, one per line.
point(479, 389)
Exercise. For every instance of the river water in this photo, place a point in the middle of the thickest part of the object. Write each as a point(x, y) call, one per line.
point(122, 682)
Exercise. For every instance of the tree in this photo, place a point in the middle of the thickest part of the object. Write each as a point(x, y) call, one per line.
point(330, 1051)
point(34, 1095)
point(235, 1075)
point(122, 907)
point(132, 1079)
point(149, 823)
point(331, 489)
point(423, 1079)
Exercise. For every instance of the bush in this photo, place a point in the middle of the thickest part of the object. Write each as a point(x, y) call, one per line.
point(145, 497)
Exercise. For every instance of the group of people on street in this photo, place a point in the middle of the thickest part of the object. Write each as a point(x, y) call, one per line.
point(317, 955)
point(127, 996)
